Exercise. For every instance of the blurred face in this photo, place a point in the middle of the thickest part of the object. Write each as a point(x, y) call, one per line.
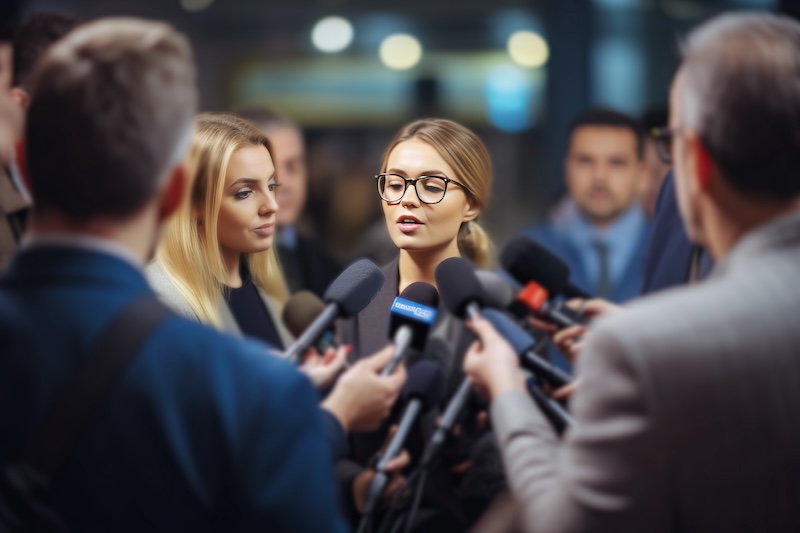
point(684, 166)
point(290, 165)
point(418, 227)
point(247, 213)
point(603, 172)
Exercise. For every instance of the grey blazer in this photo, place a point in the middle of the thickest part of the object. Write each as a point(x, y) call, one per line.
point(169, 294)
point(688, 417)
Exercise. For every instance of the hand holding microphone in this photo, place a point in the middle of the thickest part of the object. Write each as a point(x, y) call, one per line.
point(362, 398)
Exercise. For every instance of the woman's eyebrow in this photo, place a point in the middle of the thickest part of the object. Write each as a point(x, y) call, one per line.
point(423, 173)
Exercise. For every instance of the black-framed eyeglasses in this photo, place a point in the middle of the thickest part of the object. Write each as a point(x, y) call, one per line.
point(663, 138)
point(429, 189)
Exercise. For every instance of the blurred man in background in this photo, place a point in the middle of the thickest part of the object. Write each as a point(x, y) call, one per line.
point(601, 231)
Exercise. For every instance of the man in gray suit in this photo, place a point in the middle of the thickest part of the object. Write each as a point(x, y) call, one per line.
point(688, 416)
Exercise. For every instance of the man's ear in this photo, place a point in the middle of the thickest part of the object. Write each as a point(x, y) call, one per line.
point(704, 166)
point(173, 192)
point(20, 97)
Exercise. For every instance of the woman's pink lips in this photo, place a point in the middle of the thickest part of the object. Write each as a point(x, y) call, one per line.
point(406, 227)
point(265, 230)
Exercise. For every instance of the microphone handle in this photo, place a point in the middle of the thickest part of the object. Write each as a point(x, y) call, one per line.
point(553, 410)
point(402, 340)
point(544, 369)
point(299, 347)
point(396, 444)
point(473, 310)
point(557, 316)
point(449, 418)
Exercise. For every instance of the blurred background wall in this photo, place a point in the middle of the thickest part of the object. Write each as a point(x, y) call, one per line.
point(351, 72)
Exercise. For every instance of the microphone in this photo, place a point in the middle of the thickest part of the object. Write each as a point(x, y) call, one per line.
point(523, 344)
point(534, 298)
point(423, 390)
point(501, 294)
point(459, 287)
point(526, 260)
point(300, 312)
point(349, 293)
point(448, 420)
point(412, 315)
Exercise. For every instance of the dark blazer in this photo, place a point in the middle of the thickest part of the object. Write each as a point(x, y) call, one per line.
point(309, 266)
point(197, 435)
point(669, 252)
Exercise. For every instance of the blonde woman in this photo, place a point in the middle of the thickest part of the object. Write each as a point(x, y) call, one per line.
point(216, 262)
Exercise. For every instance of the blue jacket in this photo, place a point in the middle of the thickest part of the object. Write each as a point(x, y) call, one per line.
point(561, 237)
point(204, 432)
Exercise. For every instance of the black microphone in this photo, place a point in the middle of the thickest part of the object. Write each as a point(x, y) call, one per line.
point(300, 312)
point(412, 316)
point(501, 293)
point(349, 293)
point(423, 390)
point(446, 423)
point(523, 344)
point(526, 260)
point(459, 287)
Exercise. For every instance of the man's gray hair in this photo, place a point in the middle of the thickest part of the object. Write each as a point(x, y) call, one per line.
point(740, 90)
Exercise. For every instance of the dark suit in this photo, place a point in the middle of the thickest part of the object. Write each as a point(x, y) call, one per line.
point(668, 259)
point(197, 436)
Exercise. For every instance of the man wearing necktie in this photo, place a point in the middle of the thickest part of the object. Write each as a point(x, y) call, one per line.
point(600, 230)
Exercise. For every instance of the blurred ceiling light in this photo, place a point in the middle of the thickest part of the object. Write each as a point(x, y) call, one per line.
point(528, 49)
point(332, 34)
point(196, 5)
point(400, 51)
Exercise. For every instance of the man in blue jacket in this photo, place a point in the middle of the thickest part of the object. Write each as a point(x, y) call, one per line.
point(203, 432)
point(600, 231)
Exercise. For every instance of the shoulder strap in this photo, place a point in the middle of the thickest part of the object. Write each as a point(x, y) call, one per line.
point(81, 399)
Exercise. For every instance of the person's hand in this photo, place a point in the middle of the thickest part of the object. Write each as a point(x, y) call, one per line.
point(362, 398)
point(394, 468)
point(566, 391)
point(491, 363)
point(570, 341)
point(323, 369)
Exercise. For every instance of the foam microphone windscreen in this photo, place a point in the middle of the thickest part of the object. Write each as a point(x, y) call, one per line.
point(300, 311)
point(416, 309)
point(356, 287)
point(426, 382)
point(526, 260)
point(498, 293)
point(516, 337)
point(458, 285)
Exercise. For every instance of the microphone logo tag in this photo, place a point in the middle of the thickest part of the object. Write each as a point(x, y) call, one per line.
point(413, 310)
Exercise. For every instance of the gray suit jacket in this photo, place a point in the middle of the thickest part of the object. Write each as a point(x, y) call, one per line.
point(688, 418)
point(169, 294)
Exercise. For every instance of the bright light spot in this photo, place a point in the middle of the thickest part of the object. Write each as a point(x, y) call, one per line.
point(196, 5)
point(332, 34)
point(509, 93)
point(528, 49)
point(400, 51)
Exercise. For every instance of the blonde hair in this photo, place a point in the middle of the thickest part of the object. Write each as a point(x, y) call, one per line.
point(189, 251)
point(466, 154)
